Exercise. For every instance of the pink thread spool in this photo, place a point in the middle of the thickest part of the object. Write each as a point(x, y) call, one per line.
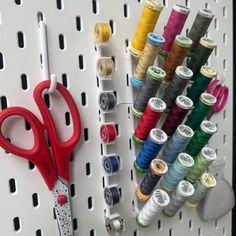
point(174, 27)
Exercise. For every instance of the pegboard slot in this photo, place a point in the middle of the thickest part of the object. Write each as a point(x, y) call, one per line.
point(224, 12)
point(86, 135)
point(170, 232)
point(94, 6)
point(159, 224)
point(90, 203)
point(39, 232)
point(31, 165)
point(24, 82)
point(83, 99)
point(199, 231)
point(16, 222)
point(81, 62)
point(21, 40)
point(112, 24)
point(27, 125)
point(72, 190)
point(79, 25)
point(75, 224)
point(1, 61)
point(88, 169)
point(3, 102)
point(12, 185)
point(64, 80)
point(92, 232)
point(61, 41)
point(35, 200)
point(47, 100)
point(19, 2)
point(60, 4)
point(67, 118)
point(126, 10)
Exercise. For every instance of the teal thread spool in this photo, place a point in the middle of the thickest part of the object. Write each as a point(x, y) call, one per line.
point(203, 185)
point(202, 108)
point(201, 82)
point(200, 55)
point(183, 191)
point(201, 137)
point(177, 172)
point(202, 161)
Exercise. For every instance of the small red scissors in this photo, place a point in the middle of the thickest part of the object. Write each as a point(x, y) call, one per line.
point(56, 176)
point(221, 92)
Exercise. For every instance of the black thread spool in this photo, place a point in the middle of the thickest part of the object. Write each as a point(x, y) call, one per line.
point(200, 26)
point(200, 55)
point(157, 168)
point(179, 81)
point(107, 101)
point(154, 78)
point(111, 195)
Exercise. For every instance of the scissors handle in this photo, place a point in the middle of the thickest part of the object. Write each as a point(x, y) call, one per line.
point(39, 153)
point(61, 150)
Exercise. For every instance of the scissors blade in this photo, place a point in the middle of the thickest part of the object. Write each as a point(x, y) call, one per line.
point(62, 208)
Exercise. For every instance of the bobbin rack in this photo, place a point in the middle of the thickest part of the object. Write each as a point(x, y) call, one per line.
point(25, 200)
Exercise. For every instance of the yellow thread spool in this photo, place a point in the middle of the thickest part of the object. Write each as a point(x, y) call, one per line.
point(102, 33)
point(147, 22)
point(150, 52)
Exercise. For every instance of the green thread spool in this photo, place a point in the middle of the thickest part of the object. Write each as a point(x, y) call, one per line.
point(203, 185)
point(200, 55)
point(202, 161)
point(200, 26)
point(201, 137)
point(201, 83)
point(202, 108)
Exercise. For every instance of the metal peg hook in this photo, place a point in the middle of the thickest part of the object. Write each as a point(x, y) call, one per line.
point(44, 54)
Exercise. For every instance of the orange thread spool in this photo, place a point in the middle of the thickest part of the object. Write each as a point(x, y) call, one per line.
point(176, 56)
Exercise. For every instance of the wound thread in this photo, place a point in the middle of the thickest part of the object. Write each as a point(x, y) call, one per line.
point(176, 86)
point(111, 195)
point(174, 26)
point(149, 54)
point(201, 137)
point(105, 68)
point(108, 133)
point(154, 77)
point(202, 108)
point(107, 102)
point(201, 82)
point(149, 119)
point(102, 33)
point(177, 114)
point(147, 22)
point(111, 164)
point(177, 143)
point(150, 150)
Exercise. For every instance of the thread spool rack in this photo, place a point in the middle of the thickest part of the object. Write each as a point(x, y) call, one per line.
point(25, 200)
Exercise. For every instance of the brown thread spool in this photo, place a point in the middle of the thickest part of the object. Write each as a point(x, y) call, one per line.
point(150, 52)
point(176, 56)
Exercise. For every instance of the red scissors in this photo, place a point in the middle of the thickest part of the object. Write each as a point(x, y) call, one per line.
point(56, 176)
point(221, 92)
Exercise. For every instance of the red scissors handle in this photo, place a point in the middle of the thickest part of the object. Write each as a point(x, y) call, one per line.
point(61, 150)
point(39, 153)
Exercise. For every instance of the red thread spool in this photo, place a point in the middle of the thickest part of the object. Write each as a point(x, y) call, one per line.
point(177, 114)
point(108, 133)
point(149, 119)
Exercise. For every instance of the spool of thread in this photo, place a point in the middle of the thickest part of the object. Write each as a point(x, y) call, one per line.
point(150, 150)
point(154, 77)
point(149, 54)
point(111, 195)
point(203, 185)
point(105, 67)
point(147, 22)
point(177, 114)
point(158, 201)
point(114, 225)
point(202, 108)
point(200, 55)
point(174, 26)
point(177, 143)
point(183, 191)
point(108, 133)
point(177, 172)
point(200, 26)
point(111, 164)
point(102, 33)
point(107, 102)
point(176, 56)
point(201, 82)
point(202, 161)
point(201, 137)
point(157, 169)
point(149, 119)
point(177, 84)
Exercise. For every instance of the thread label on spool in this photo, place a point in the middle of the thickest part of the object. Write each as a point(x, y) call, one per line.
point(208, 71)
point(206, 12)
point(159, 167)
point(185, 160)
point(154, 4)
point(184, 102)
point(156, 104)
point(208, 180)
point(161, 197)
point(184, 72)
point(208, 153)
point(158, 136)
point(208, 127)
point(183, 41)
point(185, 131)
point(156, 72)
point(185, 188)
point(181, 8)
point(208, 99)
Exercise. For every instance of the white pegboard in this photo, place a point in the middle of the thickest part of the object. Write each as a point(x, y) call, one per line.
point(74, 23)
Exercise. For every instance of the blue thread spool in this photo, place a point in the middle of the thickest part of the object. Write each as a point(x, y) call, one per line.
point(177, 143)
point(157, 169)
point(111, 195)
point(150, 149)
point(111, 164)
point(177, 172)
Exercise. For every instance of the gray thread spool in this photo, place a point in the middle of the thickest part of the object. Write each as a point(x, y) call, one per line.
point(178, 83)
point(154, 78)
point(200, 26)
point(107, 101)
